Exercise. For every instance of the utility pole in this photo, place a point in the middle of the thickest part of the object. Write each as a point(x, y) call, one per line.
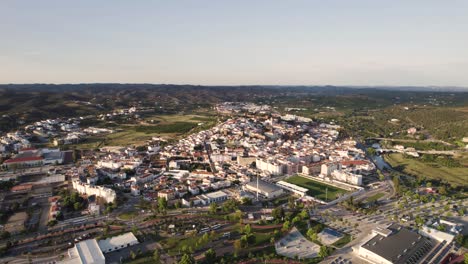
point(326, 194)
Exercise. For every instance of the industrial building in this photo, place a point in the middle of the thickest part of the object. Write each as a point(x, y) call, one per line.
point(85, 252)
point(92, 252)
point(395, 244)
point(117, 242)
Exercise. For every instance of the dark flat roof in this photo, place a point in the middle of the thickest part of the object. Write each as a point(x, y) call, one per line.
point(401, 246)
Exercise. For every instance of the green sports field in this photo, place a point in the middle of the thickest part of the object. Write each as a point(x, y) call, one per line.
point(317, 189)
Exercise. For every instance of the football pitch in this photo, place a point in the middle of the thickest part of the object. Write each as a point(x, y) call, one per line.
point(317, 189)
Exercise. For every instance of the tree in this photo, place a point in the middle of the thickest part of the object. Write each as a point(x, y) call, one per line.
point(77, 206)
point(187, 259)
point(52, 223)
point(132, 254)
point(210, 256)
point(461, 212)
point(213, 208)
point(371, 151)
point(278, 213)
point(134, 230)
point(312, 234)
point(246, 201)
point(286, 226)
point(291, 203)
point(304, 214)
point(162, 204)
point(243, 241)
point(296, 219)
point(156, 257)
point(247, 229)
point(443, 190)
point(272, 240)
point(324, 252)
point(237, 245)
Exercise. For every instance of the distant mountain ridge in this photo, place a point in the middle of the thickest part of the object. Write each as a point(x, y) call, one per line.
point(23, 103)
point(314, 88)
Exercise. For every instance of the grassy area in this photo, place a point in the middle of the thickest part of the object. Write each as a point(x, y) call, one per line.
point(456, 176)
point(375, 197)
point(343, 241)
point(128, 215)
point(317, 189)
point(166, 126)
point(175, 245)
point(177, 127)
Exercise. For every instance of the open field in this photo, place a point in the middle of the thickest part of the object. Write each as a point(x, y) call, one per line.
point(128, 215)
point(456, 176)
point(165, 126)
point(16, 222)
point(317, 189)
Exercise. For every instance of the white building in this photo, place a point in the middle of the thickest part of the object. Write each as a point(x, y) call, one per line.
point(347, 177)
point(327, 169)
point(263, 188)
point(107, 194)
point(293, 188)
point(206, 199)
point(117, 242)
point(85, 252)
point(271, 167)
point(110, 164)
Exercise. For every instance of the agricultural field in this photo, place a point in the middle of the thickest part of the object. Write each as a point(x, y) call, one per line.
point(430, 170)
point(317, 189)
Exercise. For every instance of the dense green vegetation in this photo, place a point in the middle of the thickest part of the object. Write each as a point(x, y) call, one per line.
point(317, 189)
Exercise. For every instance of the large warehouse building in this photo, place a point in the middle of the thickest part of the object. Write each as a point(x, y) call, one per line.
point(86, 252)
point(92, 252)
point(395, 244)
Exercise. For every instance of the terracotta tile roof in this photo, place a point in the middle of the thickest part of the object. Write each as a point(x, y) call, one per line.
point(25, 159)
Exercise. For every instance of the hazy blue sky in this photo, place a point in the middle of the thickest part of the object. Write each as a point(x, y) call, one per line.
point(373, 42)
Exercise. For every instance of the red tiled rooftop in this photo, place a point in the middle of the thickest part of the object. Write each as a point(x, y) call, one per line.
point(27, 149)
point(23, 187)
point(25, 159)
